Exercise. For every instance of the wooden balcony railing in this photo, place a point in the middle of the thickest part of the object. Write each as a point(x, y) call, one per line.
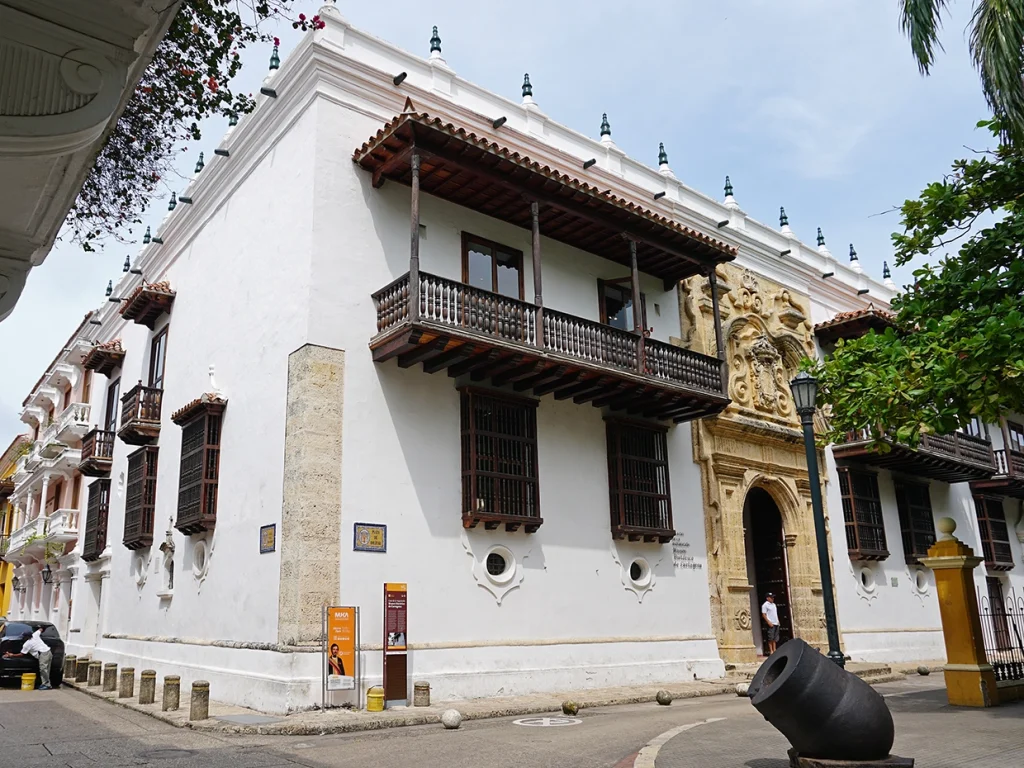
point(97, 512)
point(1010, 463)
point(97, 453)
point(545, 337)
point(140, 415)
point(140, 498)
point(953, 458)
point(1008, 479)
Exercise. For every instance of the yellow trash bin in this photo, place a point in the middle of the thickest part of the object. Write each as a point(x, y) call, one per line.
point(28, 681)
point(375, 699)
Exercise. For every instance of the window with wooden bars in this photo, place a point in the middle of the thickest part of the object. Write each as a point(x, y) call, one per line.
point(640, 499)
point(199, 472)
point(862, 513)
point(96, 515)
point(995, 535)
point(499, 461)
point(140, 498)
point(916, 523)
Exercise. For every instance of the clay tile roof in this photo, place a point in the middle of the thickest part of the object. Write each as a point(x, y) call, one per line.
point(846, 325)
point(390, 139)
point(114, 345)
point(147, 302)
point(209, 401)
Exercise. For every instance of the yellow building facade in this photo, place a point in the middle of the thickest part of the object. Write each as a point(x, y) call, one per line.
point(8, 465)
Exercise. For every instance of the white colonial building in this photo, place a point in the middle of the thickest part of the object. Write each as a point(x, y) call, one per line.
point(395, 298)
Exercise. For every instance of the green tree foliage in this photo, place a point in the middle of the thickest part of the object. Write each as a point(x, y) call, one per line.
point(997, 47)
point(957, 350)
point(188, 80)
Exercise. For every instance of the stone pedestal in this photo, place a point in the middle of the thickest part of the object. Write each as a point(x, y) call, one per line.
point(172, 693)
point(970, 681)
point(82, 669)
point(199, 708)
point(94, 673)
point(421, 694)
point(127, 687)
point(70, 667)
point(109, 678)
point(147, 686)
point(797, 761)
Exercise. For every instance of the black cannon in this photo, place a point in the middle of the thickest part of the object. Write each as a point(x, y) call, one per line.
point(824, 711)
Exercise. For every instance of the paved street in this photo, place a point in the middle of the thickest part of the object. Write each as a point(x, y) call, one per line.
point(67, 728)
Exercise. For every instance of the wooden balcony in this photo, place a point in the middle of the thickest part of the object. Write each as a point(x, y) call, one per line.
point(955, 458)
point(1009, 477)
point(140, 498)
point(97, 453)
point(140, 415)
point(465, 330)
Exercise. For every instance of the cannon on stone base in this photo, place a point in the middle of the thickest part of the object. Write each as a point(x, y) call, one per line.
point(831, 717)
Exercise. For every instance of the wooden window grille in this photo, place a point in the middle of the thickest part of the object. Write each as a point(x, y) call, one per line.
point(140, 498)
point(995, 535)
point(862, 513)
point(96, 515)
point(199, 473)
point(499, 461)
point(638, 483)
point(916, 522)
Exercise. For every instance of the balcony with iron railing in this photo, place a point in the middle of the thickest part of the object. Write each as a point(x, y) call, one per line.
point(489, 336)
point(97, 453)
point(954, 458)
point(140, 415)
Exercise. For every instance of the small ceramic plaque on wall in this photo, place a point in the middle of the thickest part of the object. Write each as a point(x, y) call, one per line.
point(370, 537)
point(268, 538)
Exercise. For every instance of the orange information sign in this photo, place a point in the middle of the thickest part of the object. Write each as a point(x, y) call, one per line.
point(341, 648)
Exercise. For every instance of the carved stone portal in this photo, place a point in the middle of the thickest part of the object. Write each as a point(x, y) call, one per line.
point(755, 443)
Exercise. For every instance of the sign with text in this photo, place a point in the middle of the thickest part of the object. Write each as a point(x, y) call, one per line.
point(268, 538)
point(396, 669)
point(368, 537)
point(341, 648)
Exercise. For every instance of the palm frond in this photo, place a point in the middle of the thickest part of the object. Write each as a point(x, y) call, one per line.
point(920, 20)
point(997, 47)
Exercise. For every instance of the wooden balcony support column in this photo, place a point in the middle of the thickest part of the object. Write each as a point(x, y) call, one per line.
point(719, 336)
point(538, 293)
point(638, 325)
point(414, 237)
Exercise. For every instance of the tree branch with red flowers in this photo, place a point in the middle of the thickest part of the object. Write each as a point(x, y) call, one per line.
point(188, 80)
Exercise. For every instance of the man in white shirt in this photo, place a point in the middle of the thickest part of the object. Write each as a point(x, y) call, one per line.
point(770, 616)
point(34, 646)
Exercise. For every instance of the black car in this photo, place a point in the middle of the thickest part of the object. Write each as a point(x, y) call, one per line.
point(13, 634)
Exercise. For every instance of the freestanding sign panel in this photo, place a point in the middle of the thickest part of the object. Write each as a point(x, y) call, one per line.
point(340, 664)
point(396, 675)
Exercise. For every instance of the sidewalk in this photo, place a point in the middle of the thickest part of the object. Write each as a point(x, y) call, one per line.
point(225, 718)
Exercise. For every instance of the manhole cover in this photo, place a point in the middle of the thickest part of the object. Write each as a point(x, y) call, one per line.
point(166, 754)
point(547, 722)
point(248, 719)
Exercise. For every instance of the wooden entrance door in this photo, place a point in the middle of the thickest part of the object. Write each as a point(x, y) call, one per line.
point(770, 571)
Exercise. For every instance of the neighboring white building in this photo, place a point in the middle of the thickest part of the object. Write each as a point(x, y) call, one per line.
point(263, 364)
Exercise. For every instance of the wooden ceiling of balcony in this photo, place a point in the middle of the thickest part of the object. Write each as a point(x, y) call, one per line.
point(478, 173)
point(920, 462)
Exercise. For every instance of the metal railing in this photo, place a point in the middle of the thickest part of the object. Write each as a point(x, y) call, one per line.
point(1002, 628)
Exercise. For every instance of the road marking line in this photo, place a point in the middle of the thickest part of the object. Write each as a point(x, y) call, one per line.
point(645, 759)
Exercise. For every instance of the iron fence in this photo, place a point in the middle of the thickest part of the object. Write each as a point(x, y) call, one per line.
point(1002, 627)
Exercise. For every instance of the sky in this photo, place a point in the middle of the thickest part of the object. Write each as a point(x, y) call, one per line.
point(815, 105)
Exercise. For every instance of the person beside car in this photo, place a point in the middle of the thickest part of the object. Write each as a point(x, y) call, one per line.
point(34, 646)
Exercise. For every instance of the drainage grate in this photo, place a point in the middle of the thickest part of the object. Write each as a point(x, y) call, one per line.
point(547, 722)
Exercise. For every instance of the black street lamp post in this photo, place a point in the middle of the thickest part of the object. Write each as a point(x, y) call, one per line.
point(805, 394)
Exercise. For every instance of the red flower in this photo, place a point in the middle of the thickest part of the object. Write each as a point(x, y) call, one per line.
point(302, 17)
point(277, 41)
point(212, 84)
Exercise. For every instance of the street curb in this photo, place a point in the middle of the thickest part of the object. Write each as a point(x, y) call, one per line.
point(179, 719)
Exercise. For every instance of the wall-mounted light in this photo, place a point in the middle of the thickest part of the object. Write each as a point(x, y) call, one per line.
point(47, 574)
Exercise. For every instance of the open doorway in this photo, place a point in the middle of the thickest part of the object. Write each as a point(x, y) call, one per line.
point(766, 564)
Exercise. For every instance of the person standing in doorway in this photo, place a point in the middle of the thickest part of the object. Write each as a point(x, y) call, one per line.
point(35, 646)
point(770, 615)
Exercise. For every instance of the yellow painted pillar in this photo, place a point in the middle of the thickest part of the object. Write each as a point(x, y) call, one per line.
point(969, 678)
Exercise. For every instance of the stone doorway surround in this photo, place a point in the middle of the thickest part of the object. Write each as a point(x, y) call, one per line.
point(755, 443)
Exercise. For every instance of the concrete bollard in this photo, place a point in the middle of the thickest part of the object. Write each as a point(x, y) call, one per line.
point(147, 686)
point(421, 694)
point(109, 678)
point(199, 708)
point(127, 688)
point(94, 673)
point(70, 667)
point(82, 669)
point(172, 693)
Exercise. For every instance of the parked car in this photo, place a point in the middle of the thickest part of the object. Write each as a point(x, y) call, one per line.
point(13, 634)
